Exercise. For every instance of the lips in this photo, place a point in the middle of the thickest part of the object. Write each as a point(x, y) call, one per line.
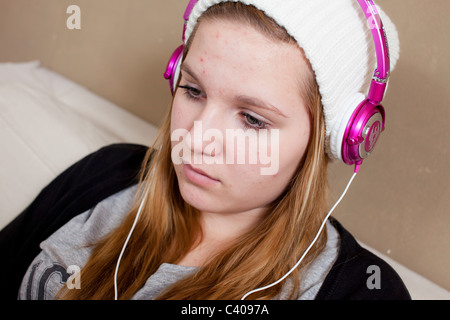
point(198, 176)
point(201, 172)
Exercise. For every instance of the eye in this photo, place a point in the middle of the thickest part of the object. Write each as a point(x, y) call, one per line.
point(191, 92)
point(250, 122)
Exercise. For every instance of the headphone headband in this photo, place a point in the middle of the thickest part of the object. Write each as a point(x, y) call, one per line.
point(379, 38)
point(187, 13)
point(189, 8)
point(173, 65)
point(382, 71)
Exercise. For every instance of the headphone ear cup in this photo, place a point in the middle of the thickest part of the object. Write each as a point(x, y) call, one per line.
point(356, 130)
point(173, 68)
point(362, 132)
point(338, 125)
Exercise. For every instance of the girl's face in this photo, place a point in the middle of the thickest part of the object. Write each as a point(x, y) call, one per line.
point(239, 123)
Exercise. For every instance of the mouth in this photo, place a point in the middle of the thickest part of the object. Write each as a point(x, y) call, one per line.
point(198, 176)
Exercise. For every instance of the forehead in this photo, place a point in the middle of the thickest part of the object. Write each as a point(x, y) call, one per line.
point(243, 38)
point(236, 52)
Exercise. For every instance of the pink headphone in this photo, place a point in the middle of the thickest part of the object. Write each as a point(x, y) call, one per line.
point(368, 118)
point(173, 67)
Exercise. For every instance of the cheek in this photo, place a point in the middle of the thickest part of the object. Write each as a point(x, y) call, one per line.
point(178, 119)
point(247, 186)
point(282, 153)
point(295, 144)
point(292, 150)
point(180, 125)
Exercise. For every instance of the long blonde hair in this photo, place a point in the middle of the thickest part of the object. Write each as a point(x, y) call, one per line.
point(169, 227)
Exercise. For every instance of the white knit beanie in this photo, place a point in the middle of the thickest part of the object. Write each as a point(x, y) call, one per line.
point(338, 43)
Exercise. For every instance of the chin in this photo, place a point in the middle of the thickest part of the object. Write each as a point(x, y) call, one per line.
point(201, 199)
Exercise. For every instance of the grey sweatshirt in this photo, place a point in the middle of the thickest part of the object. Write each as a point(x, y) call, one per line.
point(66, 251)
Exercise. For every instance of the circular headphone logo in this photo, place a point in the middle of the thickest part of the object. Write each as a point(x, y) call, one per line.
point(373, 135)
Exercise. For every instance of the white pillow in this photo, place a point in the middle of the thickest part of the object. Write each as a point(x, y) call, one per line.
point(47, 123)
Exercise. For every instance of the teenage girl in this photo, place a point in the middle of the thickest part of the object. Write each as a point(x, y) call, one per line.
point(199, 223)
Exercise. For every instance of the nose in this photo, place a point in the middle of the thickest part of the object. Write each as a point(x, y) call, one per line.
point(206, 134)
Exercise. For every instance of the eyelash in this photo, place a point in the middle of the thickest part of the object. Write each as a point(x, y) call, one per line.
point(259, 124)
point(191, 93)
point(195, 95)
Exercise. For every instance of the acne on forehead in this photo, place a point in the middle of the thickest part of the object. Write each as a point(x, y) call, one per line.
point(216, 33)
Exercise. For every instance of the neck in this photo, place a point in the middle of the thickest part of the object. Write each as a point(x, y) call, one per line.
point(225, 227)
point(219, 230)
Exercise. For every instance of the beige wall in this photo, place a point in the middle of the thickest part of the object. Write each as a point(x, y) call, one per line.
point(398, 203)
point(120, 52)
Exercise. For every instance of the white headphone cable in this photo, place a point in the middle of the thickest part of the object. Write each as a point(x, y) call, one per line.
point(310, 246)
point(125, 245)
point(255, 290)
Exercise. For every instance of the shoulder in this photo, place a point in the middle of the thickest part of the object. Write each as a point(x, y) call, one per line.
point(359, 274)
point(68, 249)
point(90, 180)
point(87, 182)
point(123, 158)
point(106, 171)
point(80, 187)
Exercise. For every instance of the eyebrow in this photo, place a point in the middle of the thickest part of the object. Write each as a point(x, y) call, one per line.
point(258, 103)
point(243, 99)
point(186, 68)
